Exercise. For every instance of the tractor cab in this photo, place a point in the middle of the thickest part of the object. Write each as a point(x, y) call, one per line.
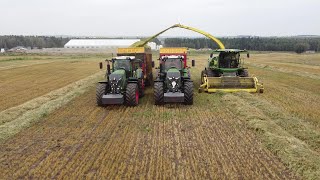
point(129, 64)
point(169, 62)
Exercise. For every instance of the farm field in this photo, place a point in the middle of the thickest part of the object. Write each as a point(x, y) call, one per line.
point(26, 79)
point(275, 135)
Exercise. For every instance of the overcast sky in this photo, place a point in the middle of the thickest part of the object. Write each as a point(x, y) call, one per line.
point(147, 17)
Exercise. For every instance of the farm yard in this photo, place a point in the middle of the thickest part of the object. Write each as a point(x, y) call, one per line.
point(50, 126)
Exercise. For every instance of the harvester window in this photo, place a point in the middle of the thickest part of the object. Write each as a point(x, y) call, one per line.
point(229, 60)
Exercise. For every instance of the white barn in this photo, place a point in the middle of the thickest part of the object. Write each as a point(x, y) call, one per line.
point(100, 43)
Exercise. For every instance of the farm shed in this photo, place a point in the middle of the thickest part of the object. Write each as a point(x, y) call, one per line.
point(100, 43)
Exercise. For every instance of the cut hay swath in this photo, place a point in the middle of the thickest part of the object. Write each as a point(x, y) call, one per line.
point(15, 119)
point(293, 140)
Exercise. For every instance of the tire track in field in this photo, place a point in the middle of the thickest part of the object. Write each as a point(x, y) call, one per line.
point(44, 140)
point(76, 148)
point(147, 141)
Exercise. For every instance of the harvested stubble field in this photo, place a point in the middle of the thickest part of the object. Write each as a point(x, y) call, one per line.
point(274, 135)
point(24, 81)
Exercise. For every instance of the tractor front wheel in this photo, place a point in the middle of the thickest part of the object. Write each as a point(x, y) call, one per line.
point(211, 73)
point(132, 94)
point(158, 93)
point(244, 73)
point(188, 93)
point(100, 91)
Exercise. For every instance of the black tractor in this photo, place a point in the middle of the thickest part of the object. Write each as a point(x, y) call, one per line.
point(124, 82)
point(173, 83)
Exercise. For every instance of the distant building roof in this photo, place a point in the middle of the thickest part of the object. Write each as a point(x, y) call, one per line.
point(18, 49)
point(100, 42)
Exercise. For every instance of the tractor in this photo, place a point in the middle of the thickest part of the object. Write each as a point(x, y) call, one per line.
point(173, 83)
point(126, 80)
point(226, 72)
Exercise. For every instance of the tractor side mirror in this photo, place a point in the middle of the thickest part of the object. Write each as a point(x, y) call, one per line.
point(161, 65)
point(153, 64)
point(248, 55)
point(193, 63)
point(100, 65)
point(108, 69)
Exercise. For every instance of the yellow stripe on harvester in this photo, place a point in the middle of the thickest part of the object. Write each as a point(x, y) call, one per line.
point(131, 50)
point(173, 50)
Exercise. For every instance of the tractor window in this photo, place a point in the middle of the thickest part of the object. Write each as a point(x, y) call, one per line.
point(173, 63)
point(122, 64)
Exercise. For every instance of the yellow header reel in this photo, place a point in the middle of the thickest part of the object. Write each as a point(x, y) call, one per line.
point(231, 84)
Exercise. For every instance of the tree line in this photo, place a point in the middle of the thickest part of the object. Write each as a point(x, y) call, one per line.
point(297, 44)
point(9, 42)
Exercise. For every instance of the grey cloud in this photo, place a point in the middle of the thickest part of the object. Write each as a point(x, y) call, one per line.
point(145, 17)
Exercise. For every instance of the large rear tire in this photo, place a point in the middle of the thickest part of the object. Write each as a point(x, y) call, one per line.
point(188, 93)
point(158, 93)
point(100, 91)
point(132, 94)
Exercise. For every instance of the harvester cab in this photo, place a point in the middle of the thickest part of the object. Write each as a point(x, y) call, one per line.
point(125, 78)
point(225, 72)
point(173, 83)
point(227, 63)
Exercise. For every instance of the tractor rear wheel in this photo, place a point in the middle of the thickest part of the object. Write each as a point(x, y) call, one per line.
point(132, 94)
point(158, 93)
point(100, 91)
point(188, 93)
